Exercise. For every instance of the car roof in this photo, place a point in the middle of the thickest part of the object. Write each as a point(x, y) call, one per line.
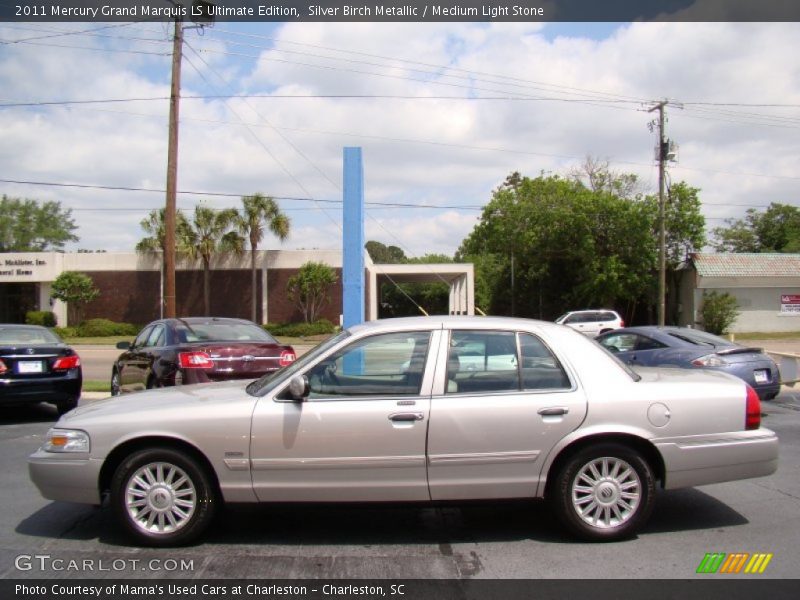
point(453, 322)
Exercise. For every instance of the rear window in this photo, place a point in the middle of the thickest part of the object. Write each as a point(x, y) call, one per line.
point(28, 335)
point(222, 332)
point(693, 336)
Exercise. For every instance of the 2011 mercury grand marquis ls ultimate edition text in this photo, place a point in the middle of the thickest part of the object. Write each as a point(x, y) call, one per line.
point(420, 410)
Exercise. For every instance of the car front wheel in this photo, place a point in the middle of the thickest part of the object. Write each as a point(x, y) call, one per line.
point(604, 492)
point(162, 497)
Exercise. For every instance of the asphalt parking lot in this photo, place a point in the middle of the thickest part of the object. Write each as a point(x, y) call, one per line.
point(38, 538)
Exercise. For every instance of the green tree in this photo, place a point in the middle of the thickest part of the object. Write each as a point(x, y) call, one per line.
point(405, 299)
point(309, 288)
point(259, 214)
point(208, 233)
point(571, 247)
point(685, 233)
point(77, 290)
point(777, 229)
point(385, 255)
point(155, 240)
point(32, 226)
point(719, 312)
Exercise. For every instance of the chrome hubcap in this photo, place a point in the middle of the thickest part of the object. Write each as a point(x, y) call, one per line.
point(160, 498)
point(606, 492)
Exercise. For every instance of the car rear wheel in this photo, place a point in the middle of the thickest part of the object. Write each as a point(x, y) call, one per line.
point(604, 493)
point(163, 497)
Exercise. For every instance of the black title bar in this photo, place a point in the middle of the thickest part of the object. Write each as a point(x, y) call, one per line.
point(401, 10)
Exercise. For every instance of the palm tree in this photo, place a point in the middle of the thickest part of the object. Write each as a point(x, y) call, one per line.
point(155, 241)
point(209, 232)
point(260, 213)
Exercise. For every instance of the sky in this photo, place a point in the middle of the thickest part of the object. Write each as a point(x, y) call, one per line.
point(443, 113)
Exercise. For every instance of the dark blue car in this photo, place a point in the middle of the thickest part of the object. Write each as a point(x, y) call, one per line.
point(690, 348)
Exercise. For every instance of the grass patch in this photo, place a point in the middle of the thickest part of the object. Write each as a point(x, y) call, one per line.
point(110, 340)
point(776, 335)
point(95, 385)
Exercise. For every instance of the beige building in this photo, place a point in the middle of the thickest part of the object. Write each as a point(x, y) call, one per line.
point(130, 284)
point(766, 286)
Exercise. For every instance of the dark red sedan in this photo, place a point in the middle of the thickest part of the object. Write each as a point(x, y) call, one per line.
point(196, 350)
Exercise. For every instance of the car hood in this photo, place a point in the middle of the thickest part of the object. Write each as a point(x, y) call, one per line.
point(188, 397)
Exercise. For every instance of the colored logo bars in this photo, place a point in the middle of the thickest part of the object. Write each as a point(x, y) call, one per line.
point(738, 562)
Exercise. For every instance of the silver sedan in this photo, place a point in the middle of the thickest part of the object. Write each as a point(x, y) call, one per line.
point(419, 410)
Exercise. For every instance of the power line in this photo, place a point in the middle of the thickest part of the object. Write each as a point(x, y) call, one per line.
point(236, 195)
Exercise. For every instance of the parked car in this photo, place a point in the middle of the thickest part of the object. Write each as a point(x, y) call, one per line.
point(389, 411)
point(36, 366)
point(592, 322)
point(692, 348)
point(196, 350)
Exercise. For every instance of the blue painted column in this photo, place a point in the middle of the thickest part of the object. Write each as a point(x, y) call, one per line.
point(353, 239)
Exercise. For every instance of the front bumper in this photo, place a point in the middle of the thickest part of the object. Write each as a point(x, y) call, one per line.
point(700, 460)
point(71, 478)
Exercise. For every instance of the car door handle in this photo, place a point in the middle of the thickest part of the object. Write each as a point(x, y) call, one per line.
point(553, 411)
point(407, 416)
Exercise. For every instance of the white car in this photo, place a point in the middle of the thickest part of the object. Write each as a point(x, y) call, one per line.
point(420, 410)
point(592, 322)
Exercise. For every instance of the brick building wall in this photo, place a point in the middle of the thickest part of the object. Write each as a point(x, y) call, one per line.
point(134, 296)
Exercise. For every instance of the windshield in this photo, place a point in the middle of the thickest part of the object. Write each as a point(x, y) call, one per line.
point(261, 386)
point(222, 331)
point(28, 335)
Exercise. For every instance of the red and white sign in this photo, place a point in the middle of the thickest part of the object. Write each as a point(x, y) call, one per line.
point(790, 303)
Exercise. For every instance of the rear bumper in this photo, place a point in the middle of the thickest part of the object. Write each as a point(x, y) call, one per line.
point(62, 477)
point(700, 460)
point(46, 389)
point(767, 391)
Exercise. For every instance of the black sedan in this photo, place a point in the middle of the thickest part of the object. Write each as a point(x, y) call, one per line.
point(196, 350)
point(691, 348)
point(36, 366)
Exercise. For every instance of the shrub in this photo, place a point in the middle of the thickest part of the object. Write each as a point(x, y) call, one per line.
point(104, 328)
point(719, 311)
point(45, 318)
point(319, 327)
point(66, 332)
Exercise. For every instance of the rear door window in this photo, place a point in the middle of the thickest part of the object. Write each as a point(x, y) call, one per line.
point(501, 361)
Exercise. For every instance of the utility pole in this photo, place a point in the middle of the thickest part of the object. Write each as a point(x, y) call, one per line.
point(202, 15)
point(662, 150)
point(172, 173)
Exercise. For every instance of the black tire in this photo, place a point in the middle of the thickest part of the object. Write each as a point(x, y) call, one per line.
point(115, 383)
point(168, 514)
point(66, 406)
point(616, 496)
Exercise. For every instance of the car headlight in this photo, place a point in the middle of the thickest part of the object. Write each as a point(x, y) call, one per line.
point(66, 440)
point(710, 360)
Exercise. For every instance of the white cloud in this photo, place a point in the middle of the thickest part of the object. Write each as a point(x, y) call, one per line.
point(434, 151)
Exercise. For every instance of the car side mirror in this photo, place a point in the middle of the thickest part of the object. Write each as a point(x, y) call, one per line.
point(123, 345)
point(299, 388)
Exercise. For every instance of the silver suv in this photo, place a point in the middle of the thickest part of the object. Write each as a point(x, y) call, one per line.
point(592, 322)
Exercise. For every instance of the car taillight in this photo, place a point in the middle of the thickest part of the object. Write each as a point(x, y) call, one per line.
point(67, 362)
point(3, 367)
point(621, 323)
point(286, 358)
point(195, 360)
point(752, 418)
